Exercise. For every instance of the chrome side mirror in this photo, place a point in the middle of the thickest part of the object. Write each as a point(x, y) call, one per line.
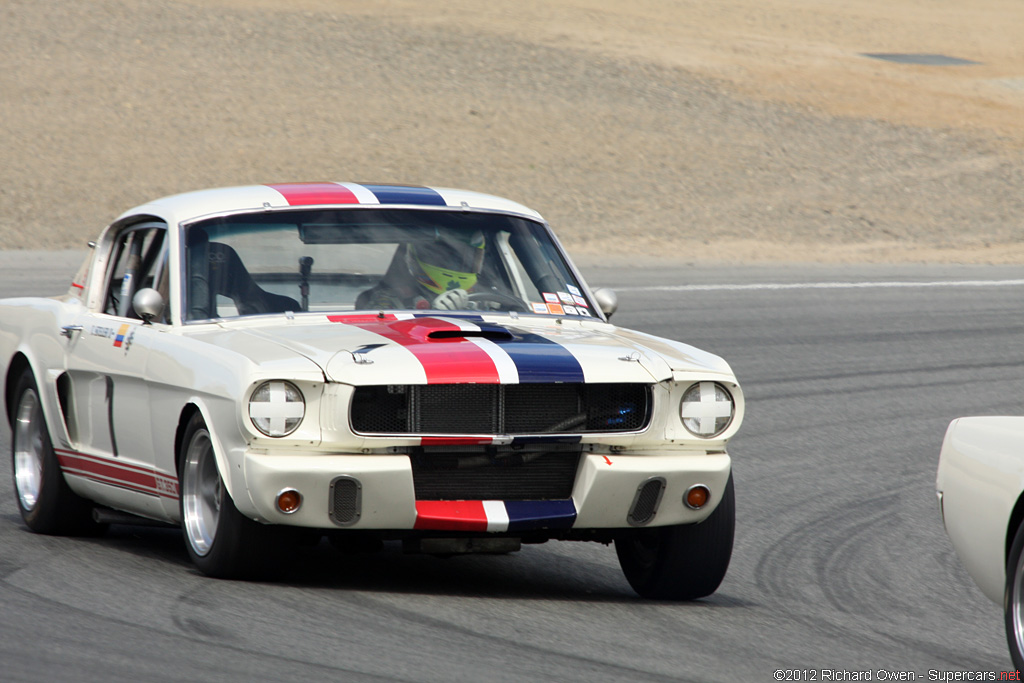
point(607, 300)
point(148, 303)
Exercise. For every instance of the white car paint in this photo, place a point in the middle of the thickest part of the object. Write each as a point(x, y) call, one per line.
point(116, 391)
point(980, 481)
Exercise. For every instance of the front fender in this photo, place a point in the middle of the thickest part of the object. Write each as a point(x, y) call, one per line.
point(980, 478)
point(227, 449)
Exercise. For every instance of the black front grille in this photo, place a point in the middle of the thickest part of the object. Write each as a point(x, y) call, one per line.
point(536, 476)
point(500, 408)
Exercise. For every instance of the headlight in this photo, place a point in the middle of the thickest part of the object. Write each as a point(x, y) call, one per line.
point(707, 409)
point(276, 408)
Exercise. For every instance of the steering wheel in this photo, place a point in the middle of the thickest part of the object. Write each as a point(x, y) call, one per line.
point(511, 303)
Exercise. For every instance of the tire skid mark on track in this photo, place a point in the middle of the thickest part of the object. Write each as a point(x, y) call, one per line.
point(843, 549)
point(200, 628)
point(7, 568)
point(196, 613)
point(811, 564)
point(851, 579)
point(808, 549)
point(953, 572)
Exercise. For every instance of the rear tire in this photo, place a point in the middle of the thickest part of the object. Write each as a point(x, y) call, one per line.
point(1013, 600)
point(682, 562)
point(46, 502)
point(221, 541)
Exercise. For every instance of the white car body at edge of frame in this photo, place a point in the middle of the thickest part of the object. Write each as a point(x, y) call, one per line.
point(980, 487)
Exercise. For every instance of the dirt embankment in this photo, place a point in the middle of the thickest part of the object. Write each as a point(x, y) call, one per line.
point(736, 130)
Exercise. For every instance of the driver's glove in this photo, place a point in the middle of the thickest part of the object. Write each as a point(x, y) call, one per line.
point(452, 300)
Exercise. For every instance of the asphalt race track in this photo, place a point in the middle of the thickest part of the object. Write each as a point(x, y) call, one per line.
point(841, 563)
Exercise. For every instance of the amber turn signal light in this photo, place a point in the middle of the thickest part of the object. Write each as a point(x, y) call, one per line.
point(288, 501)
point(697, 497)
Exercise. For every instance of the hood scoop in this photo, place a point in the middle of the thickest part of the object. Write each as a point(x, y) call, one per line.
point(492, 334)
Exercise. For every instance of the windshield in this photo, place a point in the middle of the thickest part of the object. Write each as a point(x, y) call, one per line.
point(373, 260)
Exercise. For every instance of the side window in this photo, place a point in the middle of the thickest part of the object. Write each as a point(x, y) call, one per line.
point(138, 260)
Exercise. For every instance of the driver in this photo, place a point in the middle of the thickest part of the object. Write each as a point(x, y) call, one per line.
point(436, 274)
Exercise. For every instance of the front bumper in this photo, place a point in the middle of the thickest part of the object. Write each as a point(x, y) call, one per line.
point(604, 494)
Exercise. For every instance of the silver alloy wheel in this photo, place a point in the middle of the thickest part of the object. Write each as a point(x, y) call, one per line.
point(29, 449)
point(202, 493)
point(1016, 605)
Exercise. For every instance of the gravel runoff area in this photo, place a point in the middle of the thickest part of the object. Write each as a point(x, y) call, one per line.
point(702, 132)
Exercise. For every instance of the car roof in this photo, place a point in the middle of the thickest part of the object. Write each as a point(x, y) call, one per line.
point(192, 205)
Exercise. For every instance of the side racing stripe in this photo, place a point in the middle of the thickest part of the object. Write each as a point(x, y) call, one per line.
point(124, 475)
point(494, 515)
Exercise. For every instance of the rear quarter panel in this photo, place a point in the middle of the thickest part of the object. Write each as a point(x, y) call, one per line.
point(31, 326)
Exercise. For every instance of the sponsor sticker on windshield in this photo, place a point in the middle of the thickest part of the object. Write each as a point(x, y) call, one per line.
point(551, 297)
point(539, 308)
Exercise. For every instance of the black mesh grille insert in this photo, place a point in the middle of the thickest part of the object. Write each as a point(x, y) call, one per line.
point(544, 408)
point(646, 503)
point(345, 501)
point(456, 408)
point(500, 408)
point(382, 409)
point(547, 476)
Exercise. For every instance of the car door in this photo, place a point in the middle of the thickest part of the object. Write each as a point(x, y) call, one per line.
point(111, 453)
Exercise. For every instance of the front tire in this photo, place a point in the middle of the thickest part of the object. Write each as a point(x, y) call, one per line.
point(46, 502)
point(1013, 600)
point(221, 541)
point(682, 562)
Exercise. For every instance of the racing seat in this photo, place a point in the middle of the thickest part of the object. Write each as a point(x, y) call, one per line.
point(216, 269)
point(398, 272)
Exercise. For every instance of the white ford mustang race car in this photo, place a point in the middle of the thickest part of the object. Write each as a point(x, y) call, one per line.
point(368, 363)
point(980, 484)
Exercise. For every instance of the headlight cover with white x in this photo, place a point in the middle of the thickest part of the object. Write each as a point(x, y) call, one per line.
point(276, 408)
point(707, 409)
